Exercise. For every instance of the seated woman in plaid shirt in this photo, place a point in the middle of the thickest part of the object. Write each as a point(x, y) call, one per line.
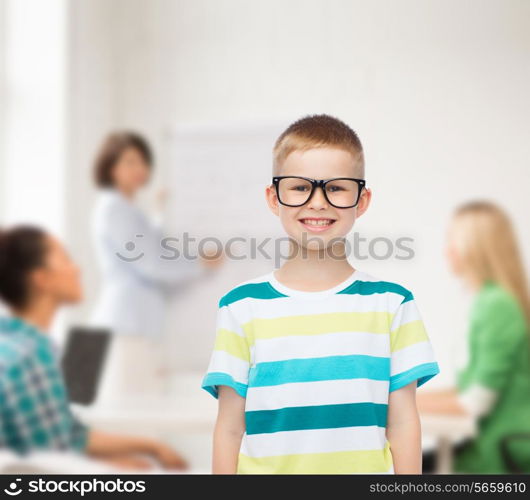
point(36, 278)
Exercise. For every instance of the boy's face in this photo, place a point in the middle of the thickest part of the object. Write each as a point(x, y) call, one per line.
point(333, 223)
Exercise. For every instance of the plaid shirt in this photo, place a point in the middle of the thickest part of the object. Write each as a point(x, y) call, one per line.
point(34, 410)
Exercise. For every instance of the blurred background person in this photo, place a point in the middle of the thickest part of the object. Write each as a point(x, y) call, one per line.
point(138, 273)
point(494, 386)
point(37, 277)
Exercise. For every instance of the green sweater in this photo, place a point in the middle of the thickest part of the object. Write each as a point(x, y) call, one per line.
point(499, 359)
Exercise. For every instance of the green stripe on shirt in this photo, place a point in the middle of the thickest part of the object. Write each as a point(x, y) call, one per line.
point(315, 417)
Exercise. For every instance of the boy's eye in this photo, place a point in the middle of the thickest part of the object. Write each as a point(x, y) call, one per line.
point(301, 188)
point(334, 189)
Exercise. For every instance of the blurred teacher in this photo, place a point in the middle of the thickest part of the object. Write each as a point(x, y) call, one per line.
point(494, 386)
point(137, 279)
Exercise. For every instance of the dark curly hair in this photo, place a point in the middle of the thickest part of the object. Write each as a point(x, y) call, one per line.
point(22, 250)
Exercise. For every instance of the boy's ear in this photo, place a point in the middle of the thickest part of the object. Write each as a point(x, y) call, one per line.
point(272, 199)
point(364, 202)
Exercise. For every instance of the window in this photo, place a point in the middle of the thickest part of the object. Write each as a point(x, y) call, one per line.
point(32, 92)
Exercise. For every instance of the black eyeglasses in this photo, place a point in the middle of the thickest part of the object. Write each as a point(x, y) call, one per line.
point(340, 192)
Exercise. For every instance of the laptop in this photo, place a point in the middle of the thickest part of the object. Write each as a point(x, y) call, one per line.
point(83, 362)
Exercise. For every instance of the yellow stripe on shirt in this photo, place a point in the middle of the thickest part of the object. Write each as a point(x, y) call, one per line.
point(232, 343)
point(407, 334)
point(317, 324)
point(341, 462)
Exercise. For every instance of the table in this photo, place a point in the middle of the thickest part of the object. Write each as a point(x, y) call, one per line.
point(446, 430)
point(188, 410)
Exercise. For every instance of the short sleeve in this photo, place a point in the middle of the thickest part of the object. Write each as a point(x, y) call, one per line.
point(499, 336)
point(412, 355)
point(230, 360)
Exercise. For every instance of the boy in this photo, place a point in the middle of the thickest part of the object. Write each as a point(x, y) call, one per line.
point(316, 363)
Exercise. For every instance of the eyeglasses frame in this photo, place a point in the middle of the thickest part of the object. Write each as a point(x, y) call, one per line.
point(318, 183)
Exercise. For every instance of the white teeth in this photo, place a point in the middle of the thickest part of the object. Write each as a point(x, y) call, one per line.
point(322, 222)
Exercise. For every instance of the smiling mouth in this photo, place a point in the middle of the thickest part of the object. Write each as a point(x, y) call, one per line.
point(317, 222)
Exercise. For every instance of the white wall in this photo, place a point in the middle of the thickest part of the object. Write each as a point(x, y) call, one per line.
point(437, 91)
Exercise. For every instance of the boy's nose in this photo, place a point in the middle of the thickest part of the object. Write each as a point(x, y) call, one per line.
point(318, 200)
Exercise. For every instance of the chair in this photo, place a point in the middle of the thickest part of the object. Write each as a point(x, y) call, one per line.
point(513, 465)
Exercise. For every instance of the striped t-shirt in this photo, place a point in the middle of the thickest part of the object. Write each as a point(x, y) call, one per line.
point(316, 369)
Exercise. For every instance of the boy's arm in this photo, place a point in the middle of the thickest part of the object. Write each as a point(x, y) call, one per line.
point(403, 430)
point(229, 430)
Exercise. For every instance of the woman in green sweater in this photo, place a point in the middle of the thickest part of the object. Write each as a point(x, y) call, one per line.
point(494, 386)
